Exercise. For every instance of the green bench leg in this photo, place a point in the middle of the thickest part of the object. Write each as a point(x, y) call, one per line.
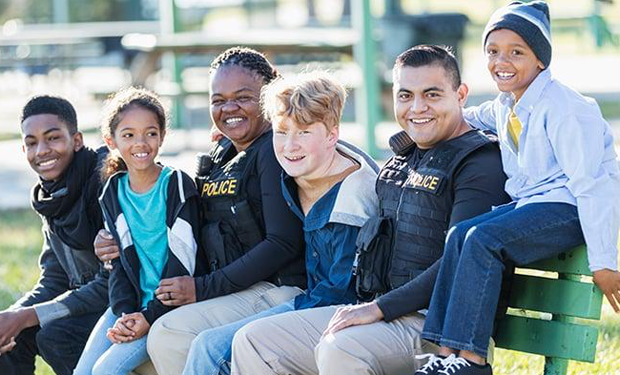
point(559, 366)
point(555, 366)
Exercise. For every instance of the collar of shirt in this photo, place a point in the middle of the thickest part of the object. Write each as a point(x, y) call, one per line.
point(523, 108)
point(320, 212)
point(530, 97)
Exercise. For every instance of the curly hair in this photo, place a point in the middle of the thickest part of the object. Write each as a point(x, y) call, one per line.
point(115, 107)
point(246, 58)
point(51, 105)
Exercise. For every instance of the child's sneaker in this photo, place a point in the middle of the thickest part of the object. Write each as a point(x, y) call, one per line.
point(431, 366)
point(454, 365)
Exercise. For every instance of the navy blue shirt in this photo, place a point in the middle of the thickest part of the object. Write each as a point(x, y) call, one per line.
point(330, 250)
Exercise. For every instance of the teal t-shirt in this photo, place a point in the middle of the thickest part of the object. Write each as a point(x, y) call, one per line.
point(146, 217)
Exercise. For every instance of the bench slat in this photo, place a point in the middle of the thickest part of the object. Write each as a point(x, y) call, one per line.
point(548, 338)
point(564, 297)
point(574, 261)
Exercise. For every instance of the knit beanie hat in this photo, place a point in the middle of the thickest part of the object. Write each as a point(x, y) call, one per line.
point(529, 20)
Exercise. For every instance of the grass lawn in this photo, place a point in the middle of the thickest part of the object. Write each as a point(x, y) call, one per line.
point(20, 244)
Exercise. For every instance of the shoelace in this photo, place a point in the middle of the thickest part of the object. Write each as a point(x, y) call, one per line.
point(453, 363)
point(430, 365)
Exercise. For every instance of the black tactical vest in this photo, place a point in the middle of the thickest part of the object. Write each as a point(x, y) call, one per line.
point(233, 225)
point(418, 197)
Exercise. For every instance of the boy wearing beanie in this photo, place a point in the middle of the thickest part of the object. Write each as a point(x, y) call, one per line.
point(563, 177)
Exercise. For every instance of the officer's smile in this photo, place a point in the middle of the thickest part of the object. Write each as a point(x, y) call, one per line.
point(232, 122)
point(420, 121)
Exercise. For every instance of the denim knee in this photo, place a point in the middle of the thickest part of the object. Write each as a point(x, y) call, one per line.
point(102, 367)
point(456, 236)
point(482, 239)
point(209, 351)
point(99, 369)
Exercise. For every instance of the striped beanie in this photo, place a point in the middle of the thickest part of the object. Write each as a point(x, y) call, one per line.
point(529, 20)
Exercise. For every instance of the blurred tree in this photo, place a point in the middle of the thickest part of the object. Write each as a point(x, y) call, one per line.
point(4, 4)
point(104, 10)
point(29, 11)
point(42, 11)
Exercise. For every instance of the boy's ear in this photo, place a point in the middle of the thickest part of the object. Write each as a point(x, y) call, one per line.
point(541, 65)
point(333, 135)
point(462, 92)
point(78, 141)
point(161, 138)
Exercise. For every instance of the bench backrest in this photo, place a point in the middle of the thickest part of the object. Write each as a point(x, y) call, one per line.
point(566, 297)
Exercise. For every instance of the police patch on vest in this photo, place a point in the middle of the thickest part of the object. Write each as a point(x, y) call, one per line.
point(219, 188)
point(426, 182)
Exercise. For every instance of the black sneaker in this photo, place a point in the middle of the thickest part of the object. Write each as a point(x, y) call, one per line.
point(454, 365)
point(432, 365)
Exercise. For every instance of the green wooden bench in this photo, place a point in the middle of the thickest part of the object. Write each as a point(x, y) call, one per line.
point(566, 297)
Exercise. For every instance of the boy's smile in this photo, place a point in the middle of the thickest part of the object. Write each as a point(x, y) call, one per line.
point(511, 62)
point(48, 145)
point(303, 151)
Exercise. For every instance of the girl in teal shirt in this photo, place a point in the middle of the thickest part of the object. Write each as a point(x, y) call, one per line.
point(152, 211)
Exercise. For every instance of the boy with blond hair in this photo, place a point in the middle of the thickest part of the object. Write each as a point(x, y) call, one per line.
point(327, 184)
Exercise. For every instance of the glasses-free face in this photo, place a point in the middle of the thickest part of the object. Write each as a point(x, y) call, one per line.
point(235, 108)
point(48, 145)
point(426, 105)
point(304, 151)
point(137, 138)
point(511, 62)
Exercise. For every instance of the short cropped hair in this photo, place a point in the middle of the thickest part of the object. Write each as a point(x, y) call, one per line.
point(51, 105)
point(305, 98)
point(424, 54)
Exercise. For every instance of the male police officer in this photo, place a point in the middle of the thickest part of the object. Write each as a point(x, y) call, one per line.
point(451, 173)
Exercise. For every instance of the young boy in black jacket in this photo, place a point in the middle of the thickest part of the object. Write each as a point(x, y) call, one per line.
point(55, 318)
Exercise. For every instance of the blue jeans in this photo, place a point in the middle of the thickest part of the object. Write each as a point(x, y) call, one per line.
point(101, 357)
point(211, 350)
point(467, 289)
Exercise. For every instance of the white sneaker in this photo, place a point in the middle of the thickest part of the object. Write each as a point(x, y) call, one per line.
point(432, 365)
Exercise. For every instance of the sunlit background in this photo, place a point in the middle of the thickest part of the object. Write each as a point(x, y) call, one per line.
point(85, 50)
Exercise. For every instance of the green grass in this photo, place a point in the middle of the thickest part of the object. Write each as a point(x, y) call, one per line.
point(20, 244)
point(607, 353)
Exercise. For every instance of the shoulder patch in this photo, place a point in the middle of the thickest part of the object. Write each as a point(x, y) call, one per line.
point(400, 142)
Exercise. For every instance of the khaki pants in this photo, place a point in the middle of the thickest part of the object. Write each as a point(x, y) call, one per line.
point(145, 369)
point(171, 336)
point(290, 344)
